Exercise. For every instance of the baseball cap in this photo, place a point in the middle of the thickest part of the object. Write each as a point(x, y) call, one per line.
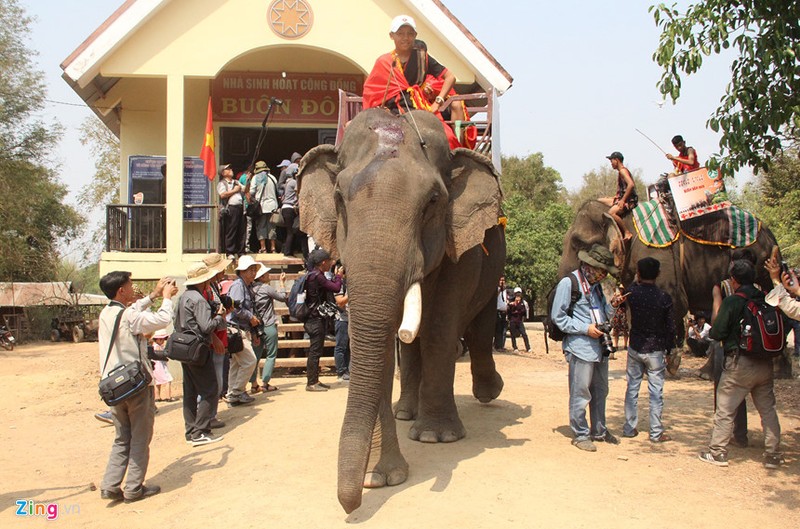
point(400, 21)
point(617, 155)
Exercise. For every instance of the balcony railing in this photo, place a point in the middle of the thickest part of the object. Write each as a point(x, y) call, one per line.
point(143, 228)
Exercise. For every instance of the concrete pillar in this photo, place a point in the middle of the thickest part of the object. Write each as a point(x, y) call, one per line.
point(175, 111)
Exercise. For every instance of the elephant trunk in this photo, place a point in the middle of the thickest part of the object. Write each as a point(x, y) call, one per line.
point(375, 313)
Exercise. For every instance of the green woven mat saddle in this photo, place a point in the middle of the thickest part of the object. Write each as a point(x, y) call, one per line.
point(732, 227)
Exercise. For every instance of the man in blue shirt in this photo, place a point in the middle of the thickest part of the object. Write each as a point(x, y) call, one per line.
point(652, 337)
point(588, 366)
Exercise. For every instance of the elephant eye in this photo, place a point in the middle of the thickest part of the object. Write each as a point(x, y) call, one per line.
point(434, 198)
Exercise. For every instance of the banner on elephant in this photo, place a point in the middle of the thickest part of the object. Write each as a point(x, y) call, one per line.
point(698, 193)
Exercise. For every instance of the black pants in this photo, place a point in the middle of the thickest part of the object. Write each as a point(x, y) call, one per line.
point(500, 330)
point(315, 327)
point(740, 420)
point(232, 228)
point(288, 220)
point(199, 381)
point(698, 347)
point(517, 329)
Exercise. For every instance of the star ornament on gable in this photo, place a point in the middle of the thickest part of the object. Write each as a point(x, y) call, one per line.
point(290, 19)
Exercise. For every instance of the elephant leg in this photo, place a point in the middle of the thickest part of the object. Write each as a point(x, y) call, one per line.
point(437, 420)
point(386, 466)
point(410, 375)
point(486, 381)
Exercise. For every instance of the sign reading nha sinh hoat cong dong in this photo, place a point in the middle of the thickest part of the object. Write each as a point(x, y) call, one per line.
point(697, 193)
point(305, 97)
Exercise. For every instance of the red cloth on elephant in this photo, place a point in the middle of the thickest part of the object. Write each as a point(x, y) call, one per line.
point(387, 83)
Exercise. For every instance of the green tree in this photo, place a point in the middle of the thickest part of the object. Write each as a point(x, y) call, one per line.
point(538, 218)
point(34, 220)
point(761, 105)
point(774, 197)
point(104, 146)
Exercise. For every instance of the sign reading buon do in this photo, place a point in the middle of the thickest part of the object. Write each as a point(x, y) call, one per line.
point(306, 97)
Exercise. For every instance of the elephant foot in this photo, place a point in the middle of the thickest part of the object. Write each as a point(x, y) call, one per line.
point(437, 430)
point(405, 409)
point(389, 471)
point(486, 388)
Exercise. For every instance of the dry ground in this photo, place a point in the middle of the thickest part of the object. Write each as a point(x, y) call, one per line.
point(276, 467)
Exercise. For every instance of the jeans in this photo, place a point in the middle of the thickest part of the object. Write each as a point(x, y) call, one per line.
point(341, 353)
point(795, 325)
point(743, 375)
point(267, 349)
point(315, 327)
point(655, 365)
point(500, 330)
point(588, 384)
point(133, 422)
point(288, 215)
point(242, 365)
point(517, 329)
point(199, 381)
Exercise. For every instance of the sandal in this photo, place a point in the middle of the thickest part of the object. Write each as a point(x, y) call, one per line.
point(270, 388)
point(255, 389)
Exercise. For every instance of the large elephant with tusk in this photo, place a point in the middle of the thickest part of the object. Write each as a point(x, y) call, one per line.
point(416, 226)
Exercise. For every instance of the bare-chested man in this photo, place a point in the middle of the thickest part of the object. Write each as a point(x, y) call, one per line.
point(626, 198)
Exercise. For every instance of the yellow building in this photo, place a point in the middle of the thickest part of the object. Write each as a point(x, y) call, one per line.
point(149, 70)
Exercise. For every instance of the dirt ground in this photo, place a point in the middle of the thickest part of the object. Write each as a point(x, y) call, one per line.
point(277, 464)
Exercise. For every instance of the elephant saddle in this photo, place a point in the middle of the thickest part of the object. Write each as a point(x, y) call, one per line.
point(731, 226)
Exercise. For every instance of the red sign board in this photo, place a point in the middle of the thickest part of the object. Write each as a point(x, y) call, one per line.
point(306, 97)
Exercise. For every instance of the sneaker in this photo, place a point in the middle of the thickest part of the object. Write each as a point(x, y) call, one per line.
point(344, 378)
point(720, 460)
point(206, 439)
point(105, 417)
point(663, 438)
point(634, 433)
point(216, 423)
point(607, 437)
point(244, 398)
point(113, 495)
point(773, 461)
point(145, 492)
point(584, 444)
point(316, 387)
point(323, 385)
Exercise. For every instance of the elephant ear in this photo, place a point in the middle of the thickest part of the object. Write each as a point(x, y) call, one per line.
point(475, 199)
point(316, 181)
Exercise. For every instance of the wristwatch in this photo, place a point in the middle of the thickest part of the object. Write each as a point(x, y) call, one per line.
point(438, 100)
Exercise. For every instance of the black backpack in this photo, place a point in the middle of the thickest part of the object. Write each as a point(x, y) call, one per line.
point(761, 329)
point(298, 309)
point(551, 329)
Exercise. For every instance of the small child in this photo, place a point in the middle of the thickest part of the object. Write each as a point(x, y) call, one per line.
point(160, 370)
point(619, 323)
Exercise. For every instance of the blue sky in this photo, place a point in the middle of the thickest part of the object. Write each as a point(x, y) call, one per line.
point(583, 75)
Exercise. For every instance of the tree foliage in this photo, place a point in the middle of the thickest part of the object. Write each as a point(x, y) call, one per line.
point(104, 146)
point(538, 218)
point(775, 198)
point(33, 217)
point(761, 106)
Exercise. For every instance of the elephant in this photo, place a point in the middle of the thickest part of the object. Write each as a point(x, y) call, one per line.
point(689, 269)
point(416, 226)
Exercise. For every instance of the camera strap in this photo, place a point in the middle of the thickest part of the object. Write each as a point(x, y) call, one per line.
point(594, 310)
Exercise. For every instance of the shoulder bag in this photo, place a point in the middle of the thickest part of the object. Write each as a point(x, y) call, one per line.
point(186, 346)
point(125, 380)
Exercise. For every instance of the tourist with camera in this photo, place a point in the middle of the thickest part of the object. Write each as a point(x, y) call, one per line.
point(244, 318)
point(264, 294)
point(587, 344)
point(652, 337)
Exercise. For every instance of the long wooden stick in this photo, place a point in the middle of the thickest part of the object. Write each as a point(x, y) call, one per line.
point(651, 141)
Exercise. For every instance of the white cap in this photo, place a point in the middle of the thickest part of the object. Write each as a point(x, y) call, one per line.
point(400, 21)
point(245, 262)
point(517, 290)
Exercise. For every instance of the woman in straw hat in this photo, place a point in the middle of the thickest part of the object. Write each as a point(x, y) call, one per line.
point(264, 294)
point(200, 390)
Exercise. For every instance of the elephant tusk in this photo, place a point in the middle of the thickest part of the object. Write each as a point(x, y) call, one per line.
point(412, 313)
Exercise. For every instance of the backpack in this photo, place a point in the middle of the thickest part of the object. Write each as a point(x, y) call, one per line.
point(298, 309)
point(761, 329)
point(552, 330)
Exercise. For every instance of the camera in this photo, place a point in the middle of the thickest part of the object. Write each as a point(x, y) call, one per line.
point(785, 270)
point(606, 342)
point(258, 332)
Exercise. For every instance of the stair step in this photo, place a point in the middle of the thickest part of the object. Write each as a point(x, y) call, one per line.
point(290, 327)
point(301, 344)
point(325, 361)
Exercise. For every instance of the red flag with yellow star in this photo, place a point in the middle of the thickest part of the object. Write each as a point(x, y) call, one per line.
point(207, 153)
